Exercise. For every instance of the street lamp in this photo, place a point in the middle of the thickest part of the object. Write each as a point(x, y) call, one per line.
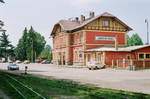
point(146, 21)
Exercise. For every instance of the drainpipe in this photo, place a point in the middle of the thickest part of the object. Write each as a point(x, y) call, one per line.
point(116, 43)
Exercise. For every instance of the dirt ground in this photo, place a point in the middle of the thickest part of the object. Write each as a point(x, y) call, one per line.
point(137, 81)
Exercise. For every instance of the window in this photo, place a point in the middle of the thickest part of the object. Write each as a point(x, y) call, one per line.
point(89, 57)
point(105, 23)
point(80, 55)
point(144, 56)
point(147, 56)
point(128, 57)
point(141, 56)
point(76, 56)
point(81, 37)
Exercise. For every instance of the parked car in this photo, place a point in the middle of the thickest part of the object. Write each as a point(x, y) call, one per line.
point(13, 67)
point(18, 61)
point(26, 62)
point(94, 66)
point(38, 61)
point(45, 62)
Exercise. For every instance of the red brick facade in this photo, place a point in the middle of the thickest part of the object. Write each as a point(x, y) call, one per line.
point(90, 37)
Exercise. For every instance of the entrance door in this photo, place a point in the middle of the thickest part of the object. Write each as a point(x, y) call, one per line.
point(100, 59)
point(88, 58)
point(59, 60)
point(64, 59)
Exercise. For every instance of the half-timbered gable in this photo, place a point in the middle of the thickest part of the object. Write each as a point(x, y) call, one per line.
point(106, 24)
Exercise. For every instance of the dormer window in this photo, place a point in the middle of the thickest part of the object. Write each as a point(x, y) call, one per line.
point(105, 23)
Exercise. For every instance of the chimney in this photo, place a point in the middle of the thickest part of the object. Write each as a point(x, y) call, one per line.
point(116, 43)
point(92, 15)
point(82, 18)
point(76, 19)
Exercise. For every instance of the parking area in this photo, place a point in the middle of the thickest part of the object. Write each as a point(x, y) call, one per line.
point(138, 81)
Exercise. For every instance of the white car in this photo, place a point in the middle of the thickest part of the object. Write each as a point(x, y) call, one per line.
point(92, 65)
point(13, 67)
point(18, 61)
point(26, 62)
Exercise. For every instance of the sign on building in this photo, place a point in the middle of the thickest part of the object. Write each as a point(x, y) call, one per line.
point(105, 38)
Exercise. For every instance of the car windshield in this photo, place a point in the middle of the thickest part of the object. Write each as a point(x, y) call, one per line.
point(13, 65)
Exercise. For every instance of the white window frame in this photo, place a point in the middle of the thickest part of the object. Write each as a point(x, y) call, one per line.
point(139, 56)
point(106, 23)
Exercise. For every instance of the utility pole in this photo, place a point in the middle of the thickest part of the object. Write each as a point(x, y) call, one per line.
point(32, 52)
point(146, 21)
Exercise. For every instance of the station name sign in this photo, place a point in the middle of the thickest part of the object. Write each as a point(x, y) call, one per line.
point(105, 38)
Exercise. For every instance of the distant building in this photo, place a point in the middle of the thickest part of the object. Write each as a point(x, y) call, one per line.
point(100, 38)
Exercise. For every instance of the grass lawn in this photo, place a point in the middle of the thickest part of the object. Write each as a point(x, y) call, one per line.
point(60, 89)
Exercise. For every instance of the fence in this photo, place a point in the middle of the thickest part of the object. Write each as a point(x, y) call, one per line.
point(131, 64)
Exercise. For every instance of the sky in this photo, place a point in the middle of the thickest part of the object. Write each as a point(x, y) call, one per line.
point(43, 14)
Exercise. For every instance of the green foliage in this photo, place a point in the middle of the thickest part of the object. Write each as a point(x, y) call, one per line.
point(134, 40)
point(2, 1)
point(21, 49)
point(46, 53)
point(30, 45)
point(4, 40)
point(6, 48)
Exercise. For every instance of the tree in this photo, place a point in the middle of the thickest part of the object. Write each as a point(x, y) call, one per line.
point(30, 45)
point(31, 39)
point(1, 24)
point(128, 40)
point(2, 1)
point(46, 53)
point(134, 40)
point(6, 47)
point(39, 44)
point(21, 49)
point(36, 44)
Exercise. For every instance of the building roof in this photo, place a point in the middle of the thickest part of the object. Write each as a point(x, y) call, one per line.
point(70, 25)
point(121, 49)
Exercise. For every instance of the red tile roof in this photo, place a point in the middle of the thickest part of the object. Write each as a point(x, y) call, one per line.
point(69, 25)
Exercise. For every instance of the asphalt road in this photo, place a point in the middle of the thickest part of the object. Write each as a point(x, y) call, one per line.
point(137, 81)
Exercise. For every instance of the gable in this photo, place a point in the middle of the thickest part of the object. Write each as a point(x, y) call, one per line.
point(114, 25)
point(57, 28)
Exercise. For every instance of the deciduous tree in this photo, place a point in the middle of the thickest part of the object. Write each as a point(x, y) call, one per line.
point(30, 45)
point(134, 40)
point(46, 53)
